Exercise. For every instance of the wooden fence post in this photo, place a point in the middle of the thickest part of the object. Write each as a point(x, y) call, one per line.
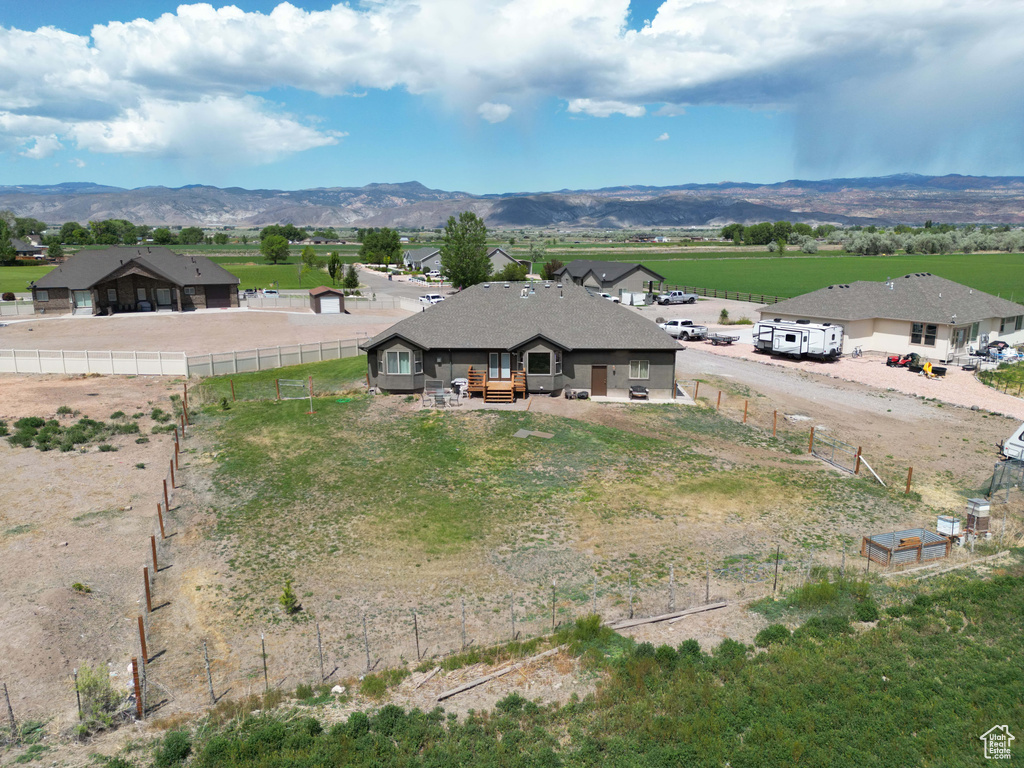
point(10, 713)
point(173, 484)
point(209, 677)
point(775, 422)
point(856, 468)
point(277, 383)
point(152, 544)
point(910, 474)
point(745, 404)
point(810, 445)
point(167, 499)
point(696, 389)
point(718, 406)
point(177, 463)
point(149, 597)
point(138, 688)
point(160, 517)
point(142, 639)
point(232, 389)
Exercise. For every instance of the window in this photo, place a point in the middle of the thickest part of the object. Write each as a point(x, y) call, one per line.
point(398, 362)
point(140, 293)
point(974, 332)
point(639, 369)
point(558, 363)
point(791, 337)
point(42, 295)
point(538, 363)
point(923, 334)
point(112, 295)
point(417, 362)
point(1020, 323)
point(190, 290)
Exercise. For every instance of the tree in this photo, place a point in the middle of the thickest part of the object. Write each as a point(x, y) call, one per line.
point(67, 231)
point(381, 246)
point(351, 278)
point(28, 226)
point(733, 232)
point(274, 248)
point(220, 238)
point(7, 253)
point(54, 250)
point(191, 236)
point(163, 236)
point(758, 234)
point(464, 258)
point(334, 266)
point(512, 272)
point(310, 261)
point(549, 269)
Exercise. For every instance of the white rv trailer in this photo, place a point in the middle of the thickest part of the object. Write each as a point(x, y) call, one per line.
point(799, 338)
point(1013, 447)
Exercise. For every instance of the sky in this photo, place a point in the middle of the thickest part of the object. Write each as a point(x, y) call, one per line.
point(496, 96)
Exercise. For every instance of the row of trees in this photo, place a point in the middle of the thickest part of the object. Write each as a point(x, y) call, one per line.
point(930, 241)
point(773, 232)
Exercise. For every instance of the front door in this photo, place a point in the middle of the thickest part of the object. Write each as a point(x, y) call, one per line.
point(163, 297)
point(599, 380)
point(500, 366)
point(83, 302)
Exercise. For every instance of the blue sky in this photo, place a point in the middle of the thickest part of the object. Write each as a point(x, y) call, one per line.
point(491, 96)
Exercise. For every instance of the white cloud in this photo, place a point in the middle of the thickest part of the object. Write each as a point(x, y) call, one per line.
point(44, 147)
point(663, 137)
point(133, 86)
point(78, 162)
point(600, 108)
point(494, 113)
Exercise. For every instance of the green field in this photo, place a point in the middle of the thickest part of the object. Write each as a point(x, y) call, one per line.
point(16, 279)
point(1000, 274)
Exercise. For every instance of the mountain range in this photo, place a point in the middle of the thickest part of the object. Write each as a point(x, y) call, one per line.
point(901, 198)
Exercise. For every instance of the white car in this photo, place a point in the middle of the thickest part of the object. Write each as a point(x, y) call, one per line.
point(431, 298)
point(434, 274)
point(270, 293)
point(609, 297)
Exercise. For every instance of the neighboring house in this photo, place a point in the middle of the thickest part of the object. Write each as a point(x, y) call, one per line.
point(921, 312)
point(612, 277)
point(25, 250)
point(535, 336)
point(426, 259)
point(127, 279)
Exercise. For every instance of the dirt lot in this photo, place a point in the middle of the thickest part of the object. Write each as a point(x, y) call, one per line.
point(87, 517)
point(194, 332)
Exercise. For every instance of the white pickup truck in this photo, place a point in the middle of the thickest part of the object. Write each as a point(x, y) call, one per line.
point(677, 297)
point(684, 330)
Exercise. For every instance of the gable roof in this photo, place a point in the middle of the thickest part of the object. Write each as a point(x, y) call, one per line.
point(86, 268)
point(604, 271)
point(491, 316)
point(920, 297)
point(324, 289)
point(20, 246)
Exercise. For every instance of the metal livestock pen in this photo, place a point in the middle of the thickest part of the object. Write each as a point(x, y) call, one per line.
point(915, 545)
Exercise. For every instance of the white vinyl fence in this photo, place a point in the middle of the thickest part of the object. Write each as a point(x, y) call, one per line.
point(92, 361)
point(352, 303)
point(242, 361)
point(15, 309)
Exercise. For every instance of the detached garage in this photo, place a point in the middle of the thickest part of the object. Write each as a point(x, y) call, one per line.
point(327, 301)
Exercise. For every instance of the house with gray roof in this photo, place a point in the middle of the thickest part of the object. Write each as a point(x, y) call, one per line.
point(537, 337)
point(920, 312)
point(614, 277)
point(426, 259)
point(134, 278)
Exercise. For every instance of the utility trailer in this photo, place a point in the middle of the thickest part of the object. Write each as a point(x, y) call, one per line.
point(1013, 446)
point(799, 338)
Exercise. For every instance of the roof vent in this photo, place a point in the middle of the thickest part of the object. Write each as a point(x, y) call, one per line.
point(487, 285)
point(197, 270)
point(560, 294)
point(506, 285)
point(547, 285)
point(831, 287)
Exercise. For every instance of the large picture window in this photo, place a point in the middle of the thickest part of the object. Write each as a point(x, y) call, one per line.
point(923, 334)
point(398, 362)
point(538, 363)
point(639, 369)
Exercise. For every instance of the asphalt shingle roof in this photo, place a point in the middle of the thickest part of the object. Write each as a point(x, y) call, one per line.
point(86, 268)
point(919, 298)
point(611, 270)
point(497, 317)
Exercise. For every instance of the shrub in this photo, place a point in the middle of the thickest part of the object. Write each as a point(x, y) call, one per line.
point(4, 431)
point(723, 317)
point(107, 448)
point(289, 600)
point(29, 422)
point(99, 699)
point(83, 588)
point(140, 465)
point(175, 749)
point(866, 611)
point(130, 428)
point(820, 627)
point(666, 657)
point(511, 704)
point(64, 411)
point(116, 415)
point(22, 438)
point(690, 649)
point(303, 691)
point(776, 633)
point(8, 296)
point(141, 440)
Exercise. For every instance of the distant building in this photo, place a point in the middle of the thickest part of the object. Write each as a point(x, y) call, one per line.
point(614, 277)
point(426, 259)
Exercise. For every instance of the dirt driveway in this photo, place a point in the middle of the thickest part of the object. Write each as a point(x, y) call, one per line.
point(194, 332)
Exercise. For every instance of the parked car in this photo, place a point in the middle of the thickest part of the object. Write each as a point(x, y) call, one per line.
point(677, 297)
point(684, 329)
point(270, 293)
point(249, 292)
point(433, 275)
point(431, 298)
point(609, 297)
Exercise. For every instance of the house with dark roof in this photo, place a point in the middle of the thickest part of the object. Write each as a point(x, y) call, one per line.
point(614, 277)
point(426, 259)
point(520, 337)
point(27, 250)
point(130, 278)
point(920, 312)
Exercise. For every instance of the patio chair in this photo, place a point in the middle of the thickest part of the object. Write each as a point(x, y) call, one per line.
point(454, 398)
point(439, 400)
point(431, 389)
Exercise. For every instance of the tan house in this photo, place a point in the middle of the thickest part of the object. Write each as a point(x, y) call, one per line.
point(920, 312)
point(134, 279)
point(613, 277)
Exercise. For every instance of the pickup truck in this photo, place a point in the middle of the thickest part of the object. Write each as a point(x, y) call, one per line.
point(684, 329)
point(677, 297)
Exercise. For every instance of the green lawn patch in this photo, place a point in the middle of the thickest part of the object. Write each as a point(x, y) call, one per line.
point(16, 279)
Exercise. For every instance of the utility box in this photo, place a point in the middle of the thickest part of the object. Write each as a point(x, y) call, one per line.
point(948, 525)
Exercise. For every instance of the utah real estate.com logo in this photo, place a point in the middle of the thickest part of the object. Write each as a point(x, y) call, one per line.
point(997, 742)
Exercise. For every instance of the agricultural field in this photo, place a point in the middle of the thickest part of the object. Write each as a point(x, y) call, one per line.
point(16, 279)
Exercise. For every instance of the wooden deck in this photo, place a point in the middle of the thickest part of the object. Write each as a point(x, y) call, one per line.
point(496, 390)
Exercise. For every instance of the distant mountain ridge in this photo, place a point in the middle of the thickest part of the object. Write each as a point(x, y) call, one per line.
point(899, 198)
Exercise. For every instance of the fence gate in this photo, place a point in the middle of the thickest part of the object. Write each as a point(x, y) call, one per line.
point(1006, 475)
point(835, 452)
